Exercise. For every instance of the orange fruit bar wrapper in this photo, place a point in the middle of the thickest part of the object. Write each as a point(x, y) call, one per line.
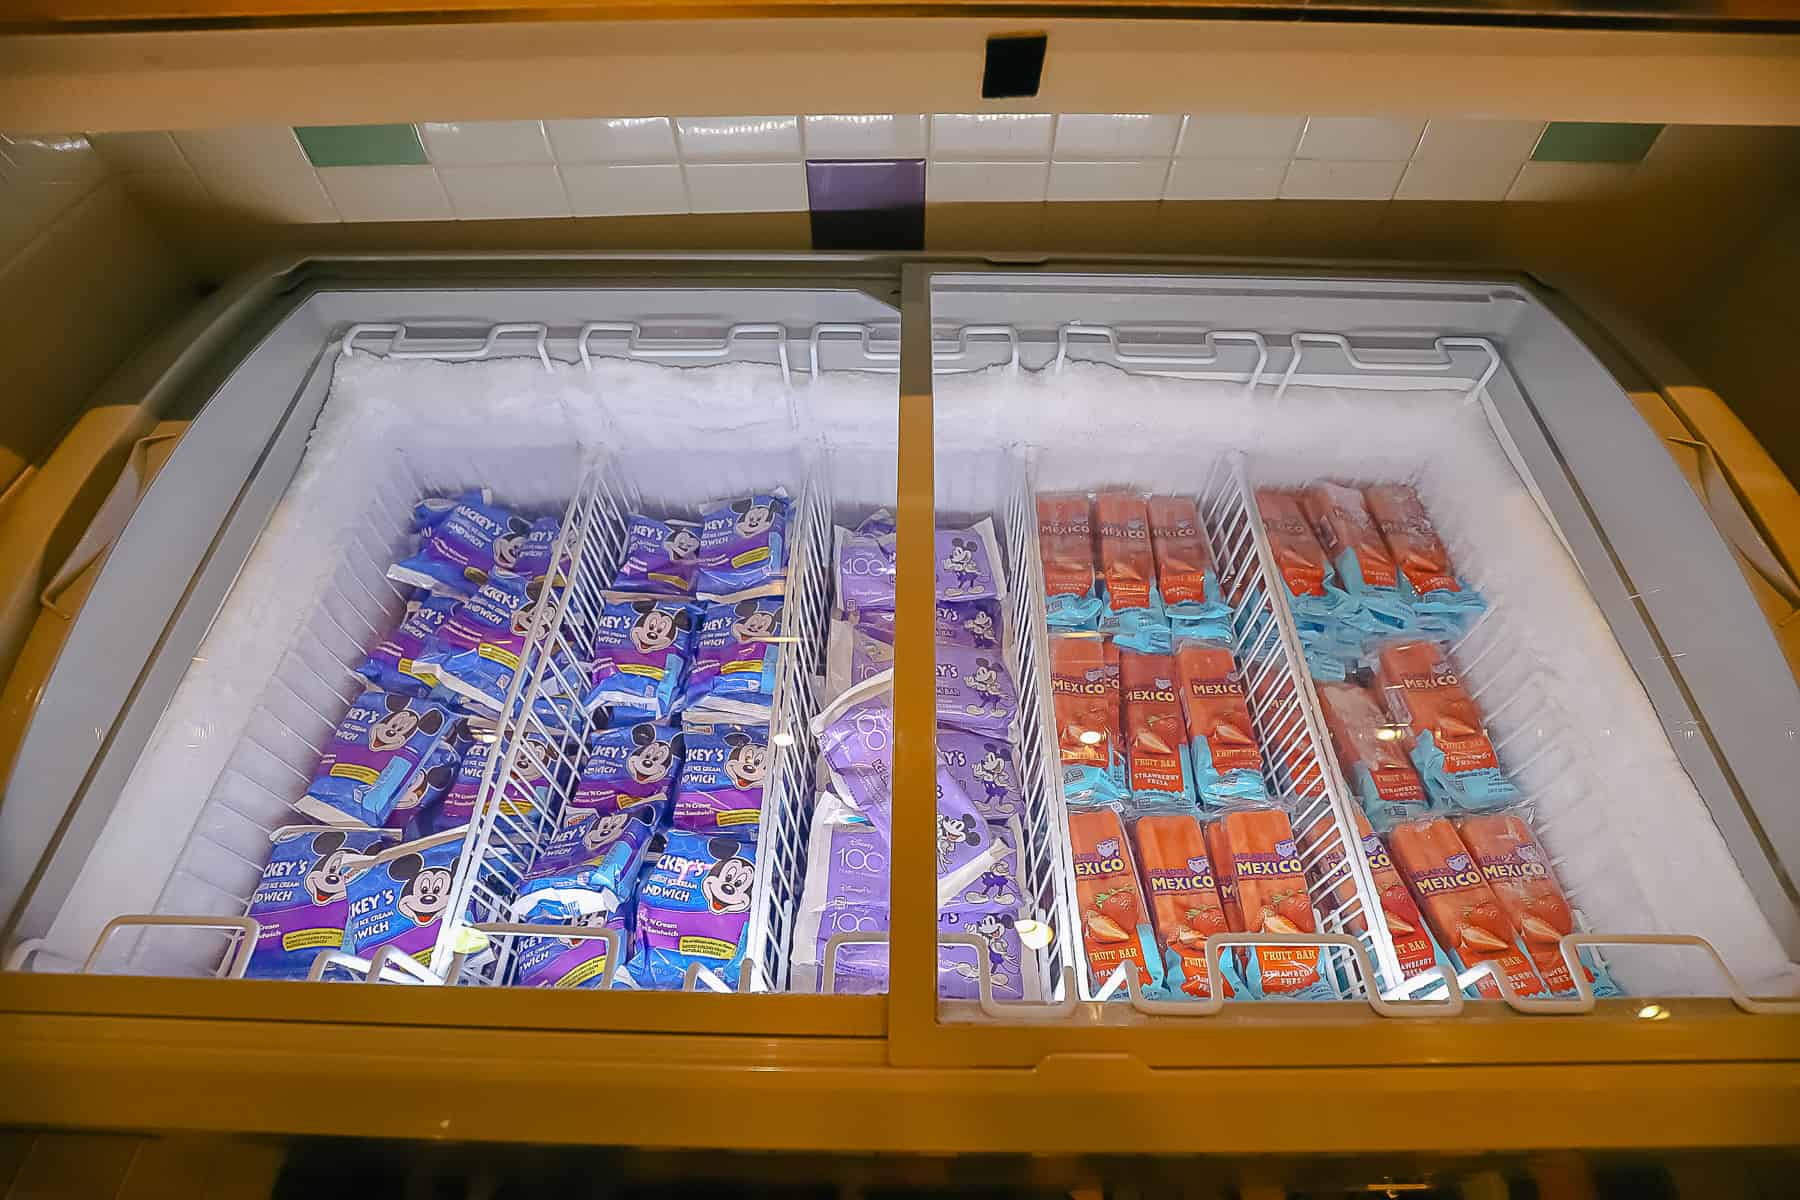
point(1412, 944)
point(1516, 867)
point(1182, 555)
point(1298, 555)
point(1066, 538)
point(1114, 924)
point(1460, 907)
point(1342, 521)
point(1212, 700)
point(1184, 897)
point(1356, 721)
point(1263, 890)
point(1425, 692)
point(1084, 688)
point(1411, 537)
point(1155, 734)
point(1125, 553)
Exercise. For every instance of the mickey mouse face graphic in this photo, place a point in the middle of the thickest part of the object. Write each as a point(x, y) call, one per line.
point(401, 722)
point(657, 626)
point(422, 783)
point(985, 678)
point(652, 759)
point(508, 544)
point(755, 623)
point(961, 559)
point(605, 830)
point(424, 891)
point(527, 612)
point(328, 878)
point(681, 544)
point(953, 832)
point(993, 927)
point(747, 760)
point(727, 886)
point(755, 519)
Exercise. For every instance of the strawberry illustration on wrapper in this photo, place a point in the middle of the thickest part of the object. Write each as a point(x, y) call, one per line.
point(1516, 868)
point(1262, 889)
point(1227, 762)
point(1115, 928)
point(1370, 749)
point(1464, 914)
point(1414, 946)
point(1446, 738)
point(1155, 734)
point(1085, 692)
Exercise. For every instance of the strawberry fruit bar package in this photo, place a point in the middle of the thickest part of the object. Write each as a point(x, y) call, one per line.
point(1133, 612)
point(1463, 912)
point(1419, 555)
point(1084, 687)
point(1155, 734)
point(1316, 600)
point(1517, 869)
point(1413, 943)
point(1115, 926)
point(1066, 540)
point(1184, 898)
point(1447, 741)
point(1365, 567)
point(1185, 579)
point(1227, 765)
point(1263, 890)
point(1369, 749)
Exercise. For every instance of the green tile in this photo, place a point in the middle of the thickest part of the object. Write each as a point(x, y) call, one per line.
point(1595, 142)
point(361, 145)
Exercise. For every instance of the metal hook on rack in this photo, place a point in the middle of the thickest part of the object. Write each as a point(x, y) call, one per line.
point(635, 346)
point(450, 349)
point(962, 335)
point(1337, 341)
point(1207, 339)
point(570, 933)
point(1449, 1006)
point(866, 334)
point(233, 966)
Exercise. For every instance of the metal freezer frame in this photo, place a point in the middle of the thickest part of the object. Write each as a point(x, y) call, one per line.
point(208, 1055)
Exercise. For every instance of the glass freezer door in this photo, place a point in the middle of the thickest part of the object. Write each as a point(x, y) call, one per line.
point(1284, 670)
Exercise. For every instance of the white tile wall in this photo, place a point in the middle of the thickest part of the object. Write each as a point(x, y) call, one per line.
point(1466, 180)
point(1113, 137)
point(1307, 180)
point(387, 193)
point(493, 193)
point(1240, 137)
point(485, 143)
point(1359, 139)
point(746, 187)
point(1138, 179)
point(738, 139)
point(1225, 179)
point(613, 139)
point(953, 182)
point(625, 189)
point(609, 166)
point(877, 135)
point(991, 137)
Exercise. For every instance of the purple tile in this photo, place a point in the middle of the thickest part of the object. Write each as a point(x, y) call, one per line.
point(867, 204)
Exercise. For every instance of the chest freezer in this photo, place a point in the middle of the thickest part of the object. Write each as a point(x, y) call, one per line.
point(1630, 693)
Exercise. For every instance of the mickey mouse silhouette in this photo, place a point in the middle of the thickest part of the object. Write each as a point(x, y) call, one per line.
point(755, 519)
point(984, 680)
point(981, 628)
point(656, 627)
point(652, 759)
point(755, 623)
point(960, 562)
point(508, 544)
point(727, 885)
point(995, 886)
point(401, 722)
point(681, 544)
point(953, 832)
point(993, 773)
point(992, 928)
point(424, 892)
point(328, 879)
point(746, 761)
